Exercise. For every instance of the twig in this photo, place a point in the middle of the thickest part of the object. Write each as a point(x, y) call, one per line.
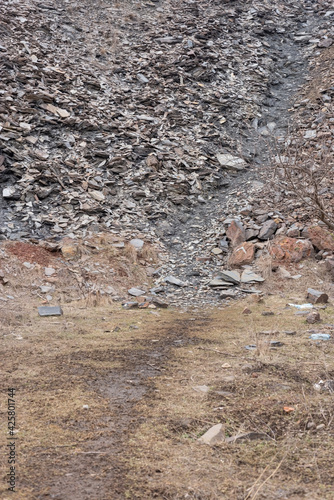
point(264, 482)
point(219, 352)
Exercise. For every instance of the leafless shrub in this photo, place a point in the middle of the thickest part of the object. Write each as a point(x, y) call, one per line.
point(307, 173)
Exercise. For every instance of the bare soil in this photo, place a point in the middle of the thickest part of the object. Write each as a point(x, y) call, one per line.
point(106, 406)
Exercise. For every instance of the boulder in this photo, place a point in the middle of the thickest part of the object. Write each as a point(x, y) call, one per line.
point(268, 230)
point(321, 238)
point(291, 249)
point(243, 254)
point(236, 233)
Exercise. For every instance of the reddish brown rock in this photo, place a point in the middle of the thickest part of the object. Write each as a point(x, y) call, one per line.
point(236, 233)
point(291, 249)
point(313, 317)
point(246, 311)
point(69, 248)
point(243, 254)
point(321, 238)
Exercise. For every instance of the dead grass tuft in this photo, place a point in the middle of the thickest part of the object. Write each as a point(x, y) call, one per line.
point(130, 253)
point(149, 254)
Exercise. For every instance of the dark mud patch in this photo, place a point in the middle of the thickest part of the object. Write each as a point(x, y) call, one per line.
point(101, 468)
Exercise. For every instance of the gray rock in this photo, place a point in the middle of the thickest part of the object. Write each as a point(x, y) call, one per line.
point(9, 192)
point(224, 245)
point(137, 243)
point(268, 230)
point(175, 281)
point(217, 251)
point(293, 232)
point(230, 276)
point(201, 388)
point(47, 289)
point(218, 282)
point(169, 39)
point(231, 162)
point(250, 277)
point(158, 302)
point(228, 294)
point(136, 292)
point(251, 234)
point(157, 289)
point(327, 42)
point(247, 210)
point(130, 305)
point(50, 311)
point(49, 271)
point(310, 134)
point(213, 436)
point(142, 78)
point(262, 218)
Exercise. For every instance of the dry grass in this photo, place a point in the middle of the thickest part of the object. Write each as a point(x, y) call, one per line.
point(136, 371)
point(260, 383)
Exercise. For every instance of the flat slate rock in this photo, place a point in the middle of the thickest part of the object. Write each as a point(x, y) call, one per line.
point(231, 276)
point(174, 281)
point(136, 292)
point(250, 277)
point(217, 282)
point(50, 311)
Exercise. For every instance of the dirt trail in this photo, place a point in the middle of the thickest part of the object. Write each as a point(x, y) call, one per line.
point(101, 470)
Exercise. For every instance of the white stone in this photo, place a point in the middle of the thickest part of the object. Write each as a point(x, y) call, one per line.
point(230, 161)
point(49, 271)
point(97, 195)
point(8, 192)
point(137, 243)
point(213, 436)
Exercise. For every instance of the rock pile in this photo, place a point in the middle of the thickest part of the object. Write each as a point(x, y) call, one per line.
point(118, 114)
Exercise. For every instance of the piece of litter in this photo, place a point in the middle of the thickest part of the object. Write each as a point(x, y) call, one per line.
point(320, 336)
point(50, 311)
point(301, 306)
